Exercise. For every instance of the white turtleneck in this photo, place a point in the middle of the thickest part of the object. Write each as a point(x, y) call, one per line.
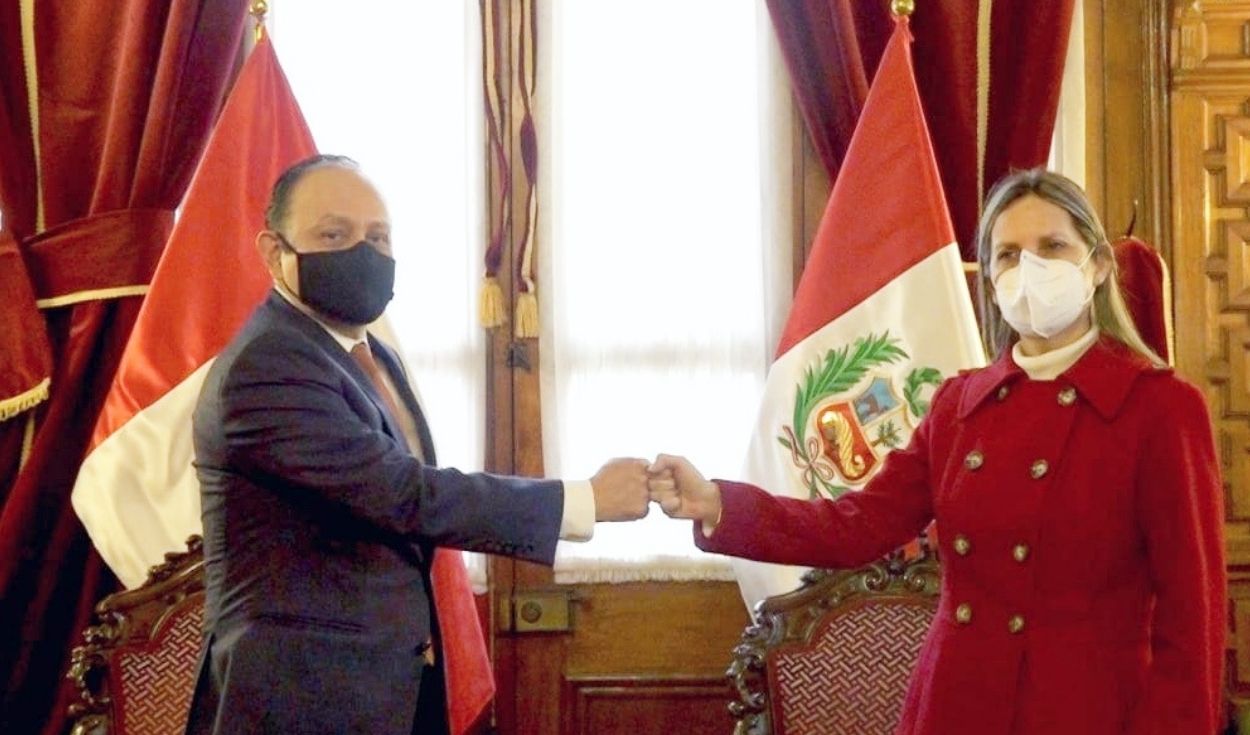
point(1050, 365)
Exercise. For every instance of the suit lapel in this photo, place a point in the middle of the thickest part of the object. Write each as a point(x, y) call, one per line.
point(284, 312)
point(391, 364)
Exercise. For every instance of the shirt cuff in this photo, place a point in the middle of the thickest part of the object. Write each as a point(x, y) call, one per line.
point(578, 521)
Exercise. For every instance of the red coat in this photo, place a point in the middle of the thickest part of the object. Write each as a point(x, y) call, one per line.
point(1069, 510)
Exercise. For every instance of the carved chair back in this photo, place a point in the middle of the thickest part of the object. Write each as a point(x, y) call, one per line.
point(136, 671)
point(835, 655)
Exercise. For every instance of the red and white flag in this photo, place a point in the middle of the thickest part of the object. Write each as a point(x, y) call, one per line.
point(881, 315)
point(137, 493)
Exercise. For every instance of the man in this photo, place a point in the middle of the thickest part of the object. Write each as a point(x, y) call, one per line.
point(322, 505)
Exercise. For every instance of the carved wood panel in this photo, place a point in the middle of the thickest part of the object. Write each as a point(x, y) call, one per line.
point(1211, 267)
point(609, 705)
point(1214, 36)
point(1210, 157)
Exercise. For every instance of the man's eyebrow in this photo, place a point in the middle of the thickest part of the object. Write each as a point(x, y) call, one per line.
point(336, 218)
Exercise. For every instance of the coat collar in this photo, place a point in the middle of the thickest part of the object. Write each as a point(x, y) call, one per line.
point(1103, 376)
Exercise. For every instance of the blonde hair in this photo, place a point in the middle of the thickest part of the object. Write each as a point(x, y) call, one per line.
point(1111, 314)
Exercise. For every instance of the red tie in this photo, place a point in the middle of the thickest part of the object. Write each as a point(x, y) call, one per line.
point(470, 680)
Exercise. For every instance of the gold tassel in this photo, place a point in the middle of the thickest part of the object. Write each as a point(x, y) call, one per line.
point(527, 315)
point(490, 303)
point(10, 407)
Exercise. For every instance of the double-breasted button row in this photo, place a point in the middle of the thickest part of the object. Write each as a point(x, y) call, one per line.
point(963, 616)
point(1066, 397)
point(975, 460)
point(963, 546)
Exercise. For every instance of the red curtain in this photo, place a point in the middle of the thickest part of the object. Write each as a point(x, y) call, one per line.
point(832, 48)
point(127, 94)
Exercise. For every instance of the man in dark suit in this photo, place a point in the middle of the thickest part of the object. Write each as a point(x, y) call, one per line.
point(322, 505)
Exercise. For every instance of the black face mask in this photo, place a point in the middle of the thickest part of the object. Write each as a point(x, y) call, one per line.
point(352, 285)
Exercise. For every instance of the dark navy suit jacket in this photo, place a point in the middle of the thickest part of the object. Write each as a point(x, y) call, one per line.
point(319, 527)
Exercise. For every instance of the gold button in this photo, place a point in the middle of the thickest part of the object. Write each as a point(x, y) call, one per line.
point(1020, 552)
point(1039, 469)
point(974, 460)
point(1002, 393)
point(1016, 624)
point(963, 614)
point(1067, 396)
point(962, 545)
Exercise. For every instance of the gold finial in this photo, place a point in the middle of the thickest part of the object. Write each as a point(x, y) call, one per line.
point(902, 8)
point(259, 8)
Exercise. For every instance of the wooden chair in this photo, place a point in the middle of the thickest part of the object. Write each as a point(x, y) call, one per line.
point(137, 669)
point(834, 656)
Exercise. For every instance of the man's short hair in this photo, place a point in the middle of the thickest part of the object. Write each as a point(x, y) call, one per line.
point(280, 198)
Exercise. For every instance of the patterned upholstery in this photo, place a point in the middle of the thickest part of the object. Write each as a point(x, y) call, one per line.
point(152, 684)
point(853, 678)
point(834, 657)
point(136, 671)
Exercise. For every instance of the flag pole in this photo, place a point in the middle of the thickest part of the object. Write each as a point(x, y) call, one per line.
point(902, 8)
point(258, 10)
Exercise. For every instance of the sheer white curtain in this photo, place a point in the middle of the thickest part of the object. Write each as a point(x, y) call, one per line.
point(397, 86)
point(666, 273)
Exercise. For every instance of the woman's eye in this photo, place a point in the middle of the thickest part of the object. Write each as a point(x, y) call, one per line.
point(332, 235)
point(1005, 255)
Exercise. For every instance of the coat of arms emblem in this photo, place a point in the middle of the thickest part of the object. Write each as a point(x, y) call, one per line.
point(848, 414)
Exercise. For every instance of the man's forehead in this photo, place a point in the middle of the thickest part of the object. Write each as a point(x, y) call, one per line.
point(336, 190)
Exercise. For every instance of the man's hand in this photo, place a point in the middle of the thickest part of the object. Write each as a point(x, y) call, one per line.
point(621, 492)
point(682, 492)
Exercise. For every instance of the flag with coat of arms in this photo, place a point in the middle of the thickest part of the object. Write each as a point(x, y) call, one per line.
point(881, 316)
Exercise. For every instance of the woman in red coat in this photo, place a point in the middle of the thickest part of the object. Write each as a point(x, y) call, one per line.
point(1076, 490)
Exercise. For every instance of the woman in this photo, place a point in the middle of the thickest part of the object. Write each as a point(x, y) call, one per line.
point(1076, 490)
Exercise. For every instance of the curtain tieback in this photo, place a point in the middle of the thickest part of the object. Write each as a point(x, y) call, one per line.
point(25, 354)
point(101, 256)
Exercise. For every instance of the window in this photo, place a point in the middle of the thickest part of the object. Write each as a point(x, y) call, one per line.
point(664, 249)
point(397, 86)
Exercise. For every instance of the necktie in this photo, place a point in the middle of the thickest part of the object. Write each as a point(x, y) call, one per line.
point(466, 662)
point(364, 358)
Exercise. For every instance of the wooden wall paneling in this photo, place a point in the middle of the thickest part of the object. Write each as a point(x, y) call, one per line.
point(1210, 171)
point(626, 706)
point(617, 681)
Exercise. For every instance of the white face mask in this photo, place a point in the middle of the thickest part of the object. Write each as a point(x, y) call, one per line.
point(1043, 296)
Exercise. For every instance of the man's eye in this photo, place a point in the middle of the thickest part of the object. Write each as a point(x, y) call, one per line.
point(332, 235)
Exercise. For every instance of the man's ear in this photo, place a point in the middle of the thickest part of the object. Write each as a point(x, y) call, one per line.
point(270, 249)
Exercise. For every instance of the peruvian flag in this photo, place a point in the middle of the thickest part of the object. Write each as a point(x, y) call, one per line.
point(881, 316)
point(137, 492)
